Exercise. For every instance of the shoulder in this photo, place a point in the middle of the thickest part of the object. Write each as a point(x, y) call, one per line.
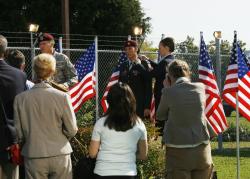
point(198, 85)
point(125, 63)
point(100, 122)
point(140, 124)
point(60, 56)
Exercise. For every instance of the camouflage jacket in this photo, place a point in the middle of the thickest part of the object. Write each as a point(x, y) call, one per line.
point(65, 72)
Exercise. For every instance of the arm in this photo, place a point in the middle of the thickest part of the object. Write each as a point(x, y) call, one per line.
point(148, 89)
point(94, 148)
point(142, 150)
point(70, 73)
point(69, 119)
point(17, 122)
point(95, 140)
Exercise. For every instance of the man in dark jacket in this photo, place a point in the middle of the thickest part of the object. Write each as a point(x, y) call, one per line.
point(138, 78)
point(12, 82)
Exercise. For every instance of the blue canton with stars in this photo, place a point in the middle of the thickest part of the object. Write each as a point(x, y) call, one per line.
point(205, 59)
point(122, 58)
point(85, 63)
point(242, 66)
point(233, 57)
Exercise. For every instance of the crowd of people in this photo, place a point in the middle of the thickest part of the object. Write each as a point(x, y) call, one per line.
point(39, 120)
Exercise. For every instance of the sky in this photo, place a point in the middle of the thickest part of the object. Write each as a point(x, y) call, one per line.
point(179, 18)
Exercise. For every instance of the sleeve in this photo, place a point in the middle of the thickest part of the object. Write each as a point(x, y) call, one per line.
point(96, 134)
point(69, 119)
point(143, 132)
point(162, 111)
point(123, 77)
point(155, 67)
point(70, 73)
point(17, 122)
point(148, 88)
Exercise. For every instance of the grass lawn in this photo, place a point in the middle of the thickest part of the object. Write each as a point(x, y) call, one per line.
point(225, 161)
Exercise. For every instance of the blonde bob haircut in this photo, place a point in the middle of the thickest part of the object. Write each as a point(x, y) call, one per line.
point(44, 66)
point(179, 68)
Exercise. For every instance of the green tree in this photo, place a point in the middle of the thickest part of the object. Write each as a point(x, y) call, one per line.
point(226, 46)
point(99, 17)
point(187, 46)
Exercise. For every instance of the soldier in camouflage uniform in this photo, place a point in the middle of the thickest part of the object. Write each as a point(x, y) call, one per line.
point(66, 74)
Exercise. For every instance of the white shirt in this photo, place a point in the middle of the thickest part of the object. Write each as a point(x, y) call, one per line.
point(117, 152)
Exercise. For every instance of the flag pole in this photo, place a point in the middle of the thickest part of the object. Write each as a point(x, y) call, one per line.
point(237, 128)
point(237, 136)
point(60, 45)
point(96, 78)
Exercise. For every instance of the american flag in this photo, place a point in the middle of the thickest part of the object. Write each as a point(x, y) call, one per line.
point(84, 90)
point(152, 109)
point(214, 110)
point(238, 81)
point(112, 80)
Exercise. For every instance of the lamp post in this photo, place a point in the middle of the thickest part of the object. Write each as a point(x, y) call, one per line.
point(33, 28)
point(217, 36)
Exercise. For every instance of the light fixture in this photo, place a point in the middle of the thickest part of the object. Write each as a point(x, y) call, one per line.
point(137, 30)
point(217, 34)
point(33, 28)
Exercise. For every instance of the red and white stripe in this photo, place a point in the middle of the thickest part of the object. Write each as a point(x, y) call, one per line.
point(230, 90)
point(82, 91)
point(112, 80)
point(214, 110)
point(152, 109)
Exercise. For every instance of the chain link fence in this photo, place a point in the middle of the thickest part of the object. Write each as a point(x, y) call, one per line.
point(107, 60)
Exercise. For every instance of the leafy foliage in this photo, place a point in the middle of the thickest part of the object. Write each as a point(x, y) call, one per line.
point(109, 17)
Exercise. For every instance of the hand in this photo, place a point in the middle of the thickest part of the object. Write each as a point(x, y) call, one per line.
point(167, 82)
point(146, 113)
point(143, 57)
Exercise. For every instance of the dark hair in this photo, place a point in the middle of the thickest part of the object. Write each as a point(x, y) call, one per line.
point(169, 42)
point(121, 114)
point(14, 58)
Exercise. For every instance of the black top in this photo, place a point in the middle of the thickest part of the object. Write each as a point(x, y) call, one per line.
point(12, 82)
point(138, 78)
point(159, 73)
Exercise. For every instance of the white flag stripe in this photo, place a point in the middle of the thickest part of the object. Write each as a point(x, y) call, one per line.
point(86, 85)
point(230, 85)
point(82, 98)
point(75, 88)
point(232, 76)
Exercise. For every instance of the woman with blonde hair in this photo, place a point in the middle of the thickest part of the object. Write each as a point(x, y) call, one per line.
point(45, 121)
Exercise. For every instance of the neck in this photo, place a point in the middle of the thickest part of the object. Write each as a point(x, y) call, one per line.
point(166, 54)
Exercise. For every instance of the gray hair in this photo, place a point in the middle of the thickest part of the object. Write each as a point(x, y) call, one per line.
point(3, 45)
point(179, 68)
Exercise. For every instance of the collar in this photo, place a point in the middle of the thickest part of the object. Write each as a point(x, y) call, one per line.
point(182, 79)
point(137, 61)
point(170, 57)
point(42, 84)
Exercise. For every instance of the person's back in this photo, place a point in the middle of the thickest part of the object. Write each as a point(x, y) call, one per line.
point(12, 82)
point(119, 137)
point(42, 111)
point(117, 154)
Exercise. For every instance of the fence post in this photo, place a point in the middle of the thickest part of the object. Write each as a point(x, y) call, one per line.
point(96, 77)
point(217, 35)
